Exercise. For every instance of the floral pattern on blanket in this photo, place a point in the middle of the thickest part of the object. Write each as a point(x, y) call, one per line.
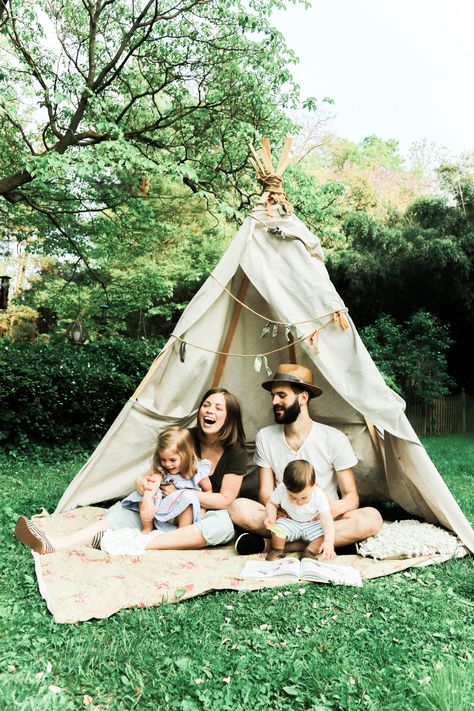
point(83, 583)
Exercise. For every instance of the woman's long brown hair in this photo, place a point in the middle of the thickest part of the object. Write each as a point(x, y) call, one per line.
point(232, 431)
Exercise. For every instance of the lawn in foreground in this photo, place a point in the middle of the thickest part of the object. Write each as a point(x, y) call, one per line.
point(401, 642)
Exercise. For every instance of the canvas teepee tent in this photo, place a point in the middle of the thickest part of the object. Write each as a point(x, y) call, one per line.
point(270, 300)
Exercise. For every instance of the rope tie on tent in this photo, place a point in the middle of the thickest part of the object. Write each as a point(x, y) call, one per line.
point(340, 320)
point(272, 178)
point(276, 231)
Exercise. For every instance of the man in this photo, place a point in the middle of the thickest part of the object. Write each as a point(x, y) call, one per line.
point(296, 436)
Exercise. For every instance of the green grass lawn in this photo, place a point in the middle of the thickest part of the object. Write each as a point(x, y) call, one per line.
point(400, 642)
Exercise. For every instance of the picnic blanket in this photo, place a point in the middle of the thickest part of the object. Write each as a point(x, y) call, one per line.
point(83, 583)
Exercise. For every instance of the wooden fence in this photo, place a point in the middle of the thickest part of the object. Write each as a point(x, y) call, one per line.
point(450, 414)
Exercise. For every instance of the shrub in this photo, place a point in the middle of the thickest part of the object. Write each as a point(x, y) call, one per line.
point(61, 393)
point(20, 323)
point(411, 357)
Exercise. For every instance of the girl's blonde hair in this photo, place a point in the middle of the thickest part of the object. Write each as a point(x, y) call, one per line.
point(179, 439)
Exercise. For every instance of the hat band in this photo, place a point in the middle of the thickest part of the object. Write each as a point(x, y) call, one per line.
point(292, 378)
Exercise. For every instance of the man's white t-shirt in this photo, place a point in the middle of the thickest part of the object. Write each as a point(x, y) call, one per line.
point(327, 449)
point(306, 512)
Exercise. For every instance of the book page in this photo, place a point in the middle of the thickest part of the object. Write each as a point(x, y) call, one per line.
point(284, 568)
point(316, 571)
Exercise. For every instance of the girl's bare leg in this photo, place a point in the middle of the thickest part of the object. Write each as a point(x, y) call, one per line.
point(185, 518)
point(147, 512)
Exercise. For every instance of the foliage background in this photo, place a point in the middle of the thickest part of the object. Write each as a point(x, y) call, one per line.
point(125, 173)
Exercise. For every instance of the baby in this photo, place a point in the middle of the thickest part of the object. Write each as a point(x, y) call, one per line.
point(309, 516)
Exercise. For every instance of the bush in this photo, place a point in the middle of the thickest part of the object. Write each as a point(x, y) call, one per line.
point(64, 393)
point(411, 357)
point(20, 323)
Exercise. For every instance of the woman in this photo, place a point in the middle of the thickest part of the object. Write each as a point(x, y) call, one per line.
point(219, 436)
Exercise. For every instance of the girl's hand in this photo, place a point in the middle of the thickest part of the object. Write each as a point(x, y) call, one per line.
point(168, 488)
point(327, 551)
point(269, 521)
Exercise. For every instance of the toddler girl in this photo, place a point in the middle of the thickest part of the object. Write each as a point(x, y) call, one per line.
point(174, 467)
point(302, 499)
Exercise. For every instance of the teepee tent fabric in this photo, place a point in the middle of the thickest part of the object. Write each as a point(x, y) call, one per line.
point(272, 272)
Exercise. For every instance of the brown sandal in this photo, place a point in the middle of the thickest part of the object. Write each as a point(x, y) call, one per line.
point(309, 554)
point(275, 555)
point(30, 535)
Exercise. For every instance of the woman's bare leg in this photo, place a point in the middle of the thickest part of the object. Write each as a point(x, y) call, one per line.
point(59, 542)
point(82, 537)
point(187, 538)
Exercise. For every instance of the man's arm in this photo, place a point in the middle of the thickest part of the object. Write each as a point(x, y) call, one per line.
point(349, 500)
point(266, 484)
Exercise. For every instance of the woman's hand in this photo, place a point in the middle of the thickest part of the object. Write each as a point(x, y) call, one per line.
point(148, 482)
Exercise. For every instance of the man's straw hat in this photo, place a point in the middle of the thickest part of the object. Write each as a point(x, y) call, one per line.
point(293, 374)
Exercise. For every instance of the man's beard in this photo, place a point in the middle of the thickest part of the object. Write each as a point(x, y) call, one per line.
point(289, 414)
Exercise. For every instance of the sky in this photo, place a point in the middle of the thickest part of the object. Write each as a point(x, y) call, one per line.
point(401, 69)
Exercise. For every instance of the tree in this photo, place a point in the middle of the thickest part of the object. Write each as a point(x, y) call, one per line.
point(99, 99)
point(425, 261)
point(411, 357)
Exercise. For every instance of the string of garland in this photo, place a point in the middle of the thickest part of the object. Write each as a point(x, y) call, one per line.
point(260, 359)
point(344, 322)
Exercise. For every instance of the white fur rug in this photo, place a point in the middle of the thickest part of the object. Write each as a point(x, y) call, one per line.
point(408, 539)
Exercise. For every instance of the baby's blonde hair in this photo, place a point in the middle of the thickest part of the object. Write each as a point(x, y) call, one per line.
point(179, 439)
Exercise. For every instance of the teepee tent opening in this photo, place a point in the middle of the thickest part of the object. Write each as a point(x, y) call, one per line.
point(269, 301)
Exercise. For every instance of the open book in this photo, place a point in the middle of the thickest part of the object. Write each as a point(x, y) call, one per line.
point(305, 569)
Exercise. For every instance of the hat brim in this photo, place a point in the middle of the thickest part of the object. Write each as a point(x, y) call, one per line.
point(312, 390)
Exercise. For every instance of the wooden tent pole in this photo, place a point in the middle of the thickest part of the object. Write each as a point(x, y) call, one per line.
point(291, 349)
point(375, 441)
point(151, 372)
point(230, 333)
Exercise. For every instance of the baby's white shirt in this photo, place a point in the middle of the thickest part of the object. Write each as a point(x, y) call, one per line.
point(306, 512)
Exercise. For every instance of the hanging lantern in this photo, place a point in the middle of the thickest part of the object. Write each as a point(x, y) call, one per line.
point(4, 287)
point(77, 333)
